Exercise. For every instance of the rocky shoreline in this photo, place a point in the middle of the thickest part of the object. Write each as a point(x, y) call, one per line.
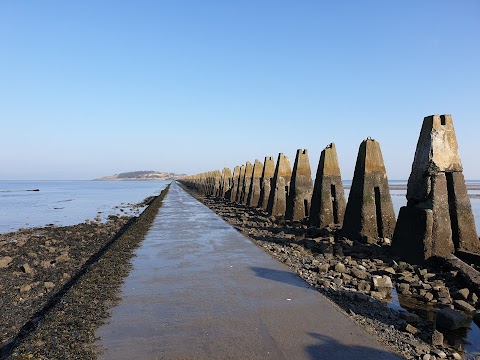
point(57, 283)
point(361, 278)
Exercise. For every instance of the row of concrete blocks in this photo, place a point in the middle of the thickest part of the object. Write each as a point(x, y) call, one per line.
point(437, 221)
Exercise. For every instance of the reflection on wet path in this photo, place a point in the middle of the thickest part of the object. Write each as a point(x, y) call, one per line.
point(200, 290)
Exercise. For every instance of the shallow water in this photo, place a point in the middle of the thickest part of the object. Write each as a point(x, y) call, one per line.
point(68, 202)
point(466, 341)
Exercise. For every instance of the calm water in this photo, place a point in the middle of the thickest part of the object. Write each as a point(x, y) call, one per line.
point(68, 202)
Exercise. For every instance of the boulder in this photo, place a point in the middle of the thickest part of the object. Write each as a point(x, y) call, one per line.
point(451, 319)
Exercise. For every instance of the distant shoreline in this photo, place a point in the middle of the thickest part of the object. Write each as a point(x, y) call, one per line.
point(142, 176)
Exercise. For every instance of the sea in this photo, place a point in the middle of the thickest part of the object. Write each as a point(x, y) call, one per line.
point(71, 202)
point(27, 204)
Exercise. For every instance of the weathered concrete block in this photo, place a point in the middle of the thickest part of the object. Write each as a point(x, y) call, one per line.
point(226, 183)
point(437, 183)
point(254, 191)
point(301, 188)
point(246, 183)
point(241, 179)
point(277, 202)
point(265, 182)
point(415, 227)
point(235, 180)
point(369, 211)
point(328, 198)
point(216, 182)
point(464, 232)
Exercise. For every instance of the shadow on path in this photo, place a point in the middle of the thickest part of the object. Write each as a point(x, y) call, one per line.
point(285, 277)
point(329, 348)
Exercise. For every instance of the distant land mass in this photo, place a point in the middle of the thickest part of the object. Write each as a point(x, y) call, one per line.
point(142, 176)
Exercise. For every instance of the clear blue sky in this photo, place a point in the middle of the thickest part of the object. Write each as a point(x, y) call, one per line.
point(93, 88)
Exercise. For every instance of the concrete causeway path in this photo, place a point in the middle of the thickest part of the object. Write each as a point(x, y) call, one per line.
point(201, 290)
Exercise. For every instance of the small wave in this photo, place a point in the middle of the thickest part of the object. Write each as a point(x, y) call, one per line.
point(9, 191)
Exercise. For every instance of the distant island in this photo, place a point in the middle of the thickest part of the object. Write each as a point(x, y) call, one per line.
point(142, 176)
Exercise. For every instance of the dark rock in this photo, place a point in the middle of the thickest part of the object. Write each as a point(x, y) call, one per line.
point(409, 317)
point(451, 319)
point(476, 318)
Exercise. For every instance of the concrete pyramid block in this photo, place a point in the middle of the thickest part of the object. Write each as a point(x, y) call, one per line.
point(266, 181)
point(277, 202)
point(438, 219)
point(247, 180)
point(369, 211)
point(254, 191)
point(235, 180)
point(301, 188)
point(328, 199)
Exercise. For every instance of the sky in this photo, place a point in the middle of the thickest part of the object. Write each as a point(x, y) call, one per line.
point(92, 88)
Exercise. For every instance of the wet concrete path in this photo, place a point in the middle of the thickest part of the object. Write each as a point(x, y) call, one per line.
point(201, 290)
